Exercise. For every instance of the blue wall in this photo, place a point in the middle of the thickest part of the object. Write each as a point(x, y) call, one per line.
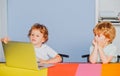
point(69, 22)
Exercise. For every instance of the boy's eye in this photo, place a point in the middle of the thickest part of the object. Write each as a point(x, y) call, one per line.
point(32, 34)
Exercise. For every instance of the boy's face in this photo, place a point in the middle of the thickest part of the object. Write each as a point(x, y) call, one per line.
point(101, 37)
point(36, 37)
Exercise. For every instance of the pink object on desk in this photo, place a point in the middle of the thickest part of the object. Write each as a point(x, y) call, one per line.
point(89, 70)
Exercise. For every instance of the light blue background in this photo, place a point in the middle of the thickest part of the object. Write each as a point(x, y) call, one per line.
point(70, 23)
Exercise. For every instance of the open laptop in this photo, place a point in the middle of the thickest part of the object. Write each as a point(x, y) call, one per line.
point(22, 55)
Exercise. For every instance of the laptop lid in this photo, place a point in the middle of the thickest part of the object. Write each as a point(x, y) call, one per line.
point(20, 55)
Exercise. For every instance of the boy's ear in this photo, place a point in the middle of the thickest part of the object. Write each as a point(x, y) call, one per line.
point(43, 40)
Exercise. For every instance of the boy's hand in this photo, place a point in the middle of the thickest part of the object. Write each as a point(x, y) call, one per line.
point(95, 40)
point(43, 61)
point(102, 41)
point(5, 40)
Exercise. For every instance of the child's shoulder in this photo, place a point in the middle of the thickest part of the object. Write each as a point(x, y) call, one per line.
point(112, 46)
point(45, 46)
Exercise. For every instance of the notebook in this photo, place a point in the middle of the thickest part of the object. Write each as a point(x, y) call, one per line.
point(22, 55)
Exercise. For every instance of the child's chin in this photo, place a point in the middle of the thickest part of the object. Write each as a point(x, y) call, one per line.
point(33, 43)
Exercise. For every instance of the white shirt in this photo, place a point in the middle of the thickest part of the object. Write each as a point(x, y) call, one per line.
point(45, 52)
point(109, 50)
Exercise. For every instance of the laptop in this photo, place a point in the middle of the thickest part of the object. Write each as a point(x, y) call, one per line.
point(22, 55)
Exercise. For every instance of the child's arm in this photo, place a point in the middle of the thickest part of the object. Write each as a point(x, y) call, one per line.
point(104, 58)
point(94, 55)
point(102, 43)
point(56, 59)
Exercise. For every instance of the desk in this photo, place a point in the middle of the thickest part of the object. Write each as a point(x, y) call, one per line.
point(65, 69)
point(85, 69)
point(11, 71)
